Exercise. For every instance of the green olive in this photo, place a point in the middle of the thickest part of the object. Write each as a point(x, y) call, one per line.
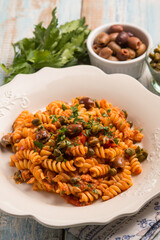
point(95, 129)
point(36, 122)
point(153, 65)
point(62, 144)
point(112, 171)
point(129, 152)
point(90, 151)
point(156, 57)
point(92, 141)
point(60, 158)
point(157, 50)
point(151, 55)
point(57, 152)
point(158, 65)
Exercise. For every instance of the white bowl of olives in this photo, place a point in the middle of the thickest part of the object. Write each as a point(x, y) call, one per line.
point(119, 48)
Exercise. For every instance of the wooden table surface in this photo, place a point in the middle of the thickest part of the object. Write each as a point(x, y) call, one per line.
point(17, 20)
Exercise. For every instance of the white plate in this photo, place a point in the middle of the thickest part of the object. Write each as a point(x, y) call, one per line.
point(37, 90)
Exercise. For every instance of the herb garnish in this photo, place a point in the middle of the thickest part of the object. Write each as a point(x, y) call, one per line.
point(38, 144)
point(116, 140)
point(54, 118)
point(64, 107)
point(54, 46)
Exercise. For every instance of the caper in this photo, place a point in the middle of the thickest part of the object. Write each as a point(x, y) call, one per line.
point(57, 152)
point(142, 156)
point(95, 129)
point(60, 158)
point(138, 150)
point(130, 123)
point(129, 152)
point(92, 141)
point(90, 151)
point(63, 120)
point(36, 122)
point(62, 144)
point(112, 171)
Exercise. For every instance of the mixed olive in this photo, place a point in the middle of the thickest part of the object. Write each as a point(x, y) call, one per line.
point(118, 45)
point(155, 58)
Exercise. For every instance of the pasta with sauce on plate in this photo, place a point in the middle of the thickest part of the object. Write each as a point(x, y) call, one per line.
point(83, 151)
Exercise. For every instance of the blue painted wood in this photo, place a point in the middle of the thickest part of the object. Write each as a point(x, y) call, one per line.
point(24, 228)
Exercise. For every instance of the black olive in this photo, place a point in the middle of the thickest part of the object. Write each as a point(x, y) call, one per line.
point(88, 103)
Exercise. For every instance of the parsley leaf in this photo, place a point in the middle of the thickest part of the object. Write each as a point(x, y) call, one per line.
point(64, 107)
point(53, 46)
point(38, 144)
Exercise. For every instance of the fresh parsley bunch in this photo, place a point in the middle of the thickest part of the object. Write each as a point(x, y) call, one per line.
point(53, 46)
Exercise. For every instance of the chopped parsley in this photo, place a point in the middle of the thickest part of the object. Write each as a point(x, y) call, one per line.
point(104, 115)
point(125, 113)
point(38, 144)
point(116, 140)
point(76, 185)
point(97, 104)
point(95, 191)
point(108, 111)
point(64, 107)
point(87, 132)
point(54, 118)
point(121, 122)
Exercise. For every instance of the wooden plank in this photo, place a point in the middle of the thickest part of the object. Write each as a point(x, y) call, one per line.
point(17, 21)
point(69, 10)
point(94, 12)
point(24, 228)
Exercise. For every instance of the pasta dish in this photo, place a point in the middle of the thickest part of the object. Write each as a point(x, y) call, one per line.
point(83, 151)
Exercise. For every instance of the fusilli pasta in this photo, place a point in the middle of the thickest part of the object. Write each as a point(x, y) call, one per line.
point(83, 151)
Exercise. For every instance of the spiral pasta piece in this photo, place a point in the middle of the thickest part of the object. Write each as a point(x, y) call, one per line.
point(113, 152)
point(23, 164)
point(88, 164)
point(115, 189)
point(20, 120)
point(99, 170)
point(59, 166)
point(66, 188)
point(100, 152)
point(79, 161)
point(37, 186)
point(89, 196)
point(77, 150)
point(25, 143)
point(34, 157)
point(136, 167)
point(44, 118)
